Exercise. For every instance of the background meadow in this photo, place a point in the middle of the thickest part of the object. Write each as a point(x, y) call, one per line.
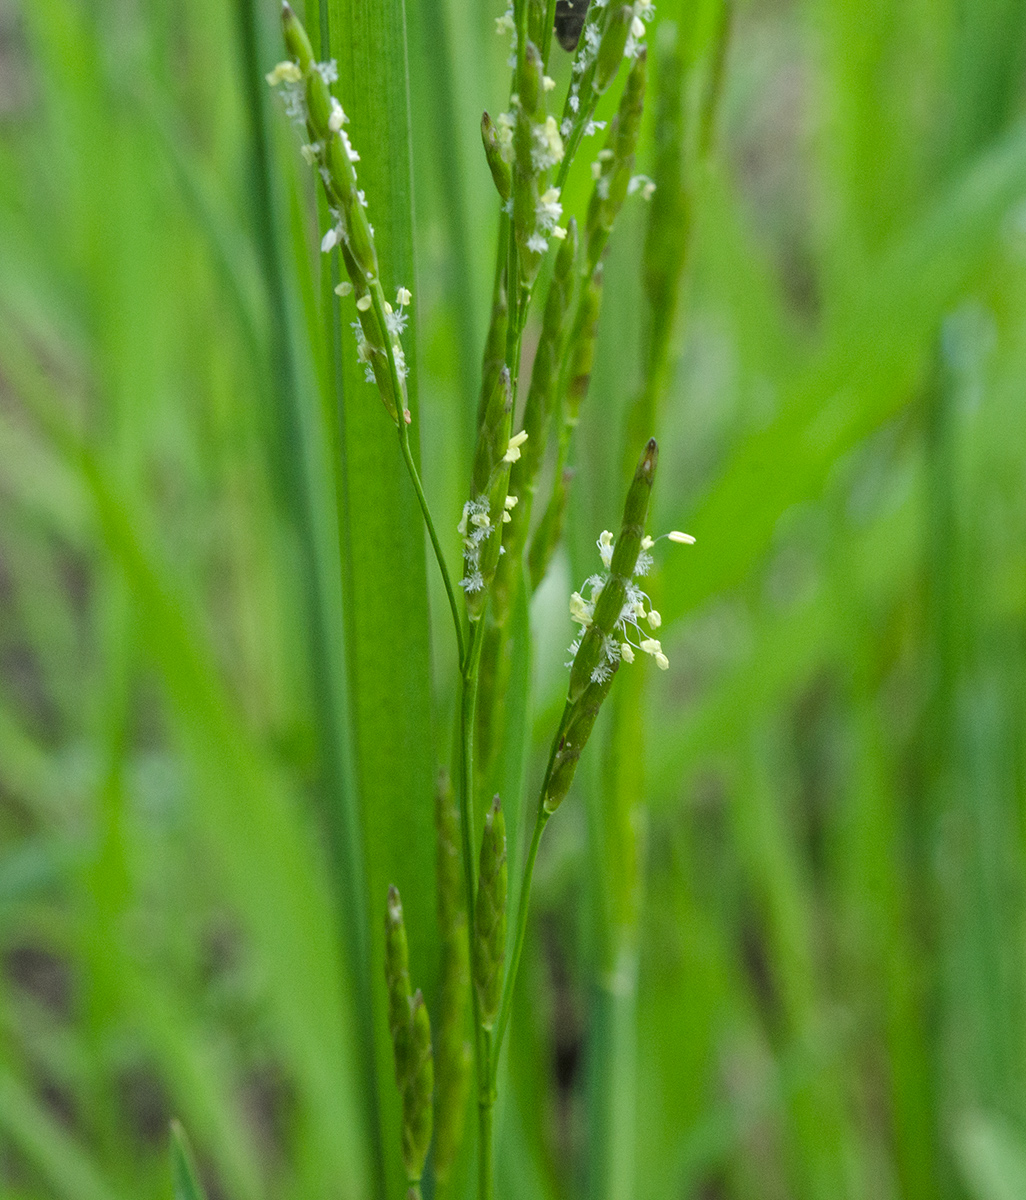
point(777, 944)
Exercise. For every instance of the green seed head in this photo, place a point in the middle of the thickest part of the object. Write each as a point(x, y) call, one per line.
point(490, 916)
point(550, 529)
point(318, 102)
point(616, 161)
point(575, 737)
point(538, 409)
point(582, 344)
point(501, 174)
point(397, 981)
point(611, 48)
point(296, 40)
point(537, 21)
point(418, 1092)
point(529, 82)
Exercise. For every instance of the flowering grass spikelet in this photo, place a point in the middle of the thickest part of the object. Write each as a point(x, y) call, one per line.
point(484, 514)
point(513, 449)
point(305, 85)
point(636, 607)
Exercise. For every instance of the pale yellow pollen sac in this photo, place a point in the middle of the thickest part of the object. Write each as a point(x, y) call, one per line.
point(364, 303)
point(513, 449)
point(559, 232)
point(605, 547)
point(647, 543)
point(682, 539)
point(552, 137)
point(338, 117)
point(662, 662)
point(652, 646)
point(580, 611)
point(654, 619)
point(511, 501)
point(506, 518)
point(403, 297)
point(626, 652)
point(284, 72)
point(548, 83)
point(343, 288)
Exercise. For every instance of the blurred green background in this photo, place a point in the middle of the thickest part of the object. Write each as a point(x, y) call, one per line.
point(223, 700)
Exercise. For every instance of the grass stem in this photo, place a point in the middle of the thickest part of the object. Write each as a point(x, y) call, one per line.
point(523, 905)
point(486, 1119)
point(468, 702)
point(378, 300)
point(404, 444)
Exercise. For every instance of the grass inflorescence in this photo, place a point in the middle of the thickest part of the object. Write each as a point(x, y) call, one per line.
point(725, 900)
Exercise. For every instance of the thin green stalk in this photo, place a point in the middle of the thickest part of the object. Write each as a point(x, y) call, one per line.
point(486, 1119)
point(404, 443)
point(550, 24)
point(576, 137)
point(468, 699)
point(378, 300)
point(521, 932)
point(523, 904)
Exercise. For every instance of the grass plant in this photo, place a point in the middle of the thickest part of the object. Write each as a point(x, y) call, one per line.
point(310, 417)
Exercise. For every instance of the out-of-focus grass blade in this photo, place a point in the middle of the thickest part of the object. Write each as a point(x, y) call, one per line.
point(185, 1182)
point(62, 1161)
point(202, 1093)
point(273, 868)
point(992, 1156)
point(786, 648)
point(861, 377)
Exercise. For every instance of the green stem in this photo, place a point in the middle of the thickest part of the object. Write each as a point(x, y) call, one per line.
point(486, 1121)
point(414, 1192)
point(468, 701)
point(550, 24)
point(404, 443)
point(523, 905)
point(576, 136)
point(378, 300)
point(518, 942)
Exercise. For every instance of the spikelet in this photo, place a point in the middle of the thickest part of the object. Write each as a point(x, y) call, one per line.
point(490, 916)
point(410, 1028)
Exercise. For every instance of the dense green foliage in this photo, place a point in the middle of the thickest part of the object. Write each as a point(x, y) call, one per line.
point(778, 931)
